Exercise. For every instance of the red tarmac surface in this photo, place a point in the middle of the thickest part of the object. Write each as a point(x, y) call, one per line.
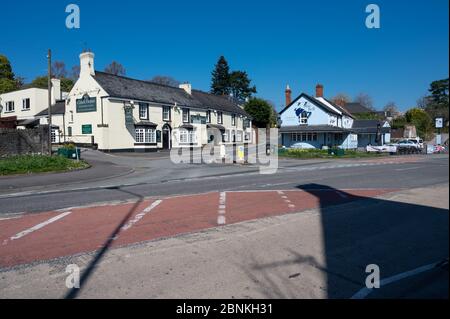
point(88, 229)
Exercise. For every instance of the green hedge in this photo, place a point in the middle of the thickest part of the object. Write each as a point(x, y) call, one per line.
point(318, 153)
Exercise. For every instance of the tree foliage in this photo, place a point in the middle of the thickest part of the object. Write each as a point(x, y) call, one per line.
point(220, 84)
point(236, 83)
point(261, 111)
point(8, 81)
point(115, 68)
point(421, 120)
point(42, 82)
point(390, 108)
point(437, 104)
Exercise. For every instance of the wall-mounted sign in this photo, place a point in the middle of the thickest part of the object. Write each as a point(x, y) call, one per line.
point(198, 119)
point(439, 122)
point(86, 129)
point(129, 120)
point(86, 104)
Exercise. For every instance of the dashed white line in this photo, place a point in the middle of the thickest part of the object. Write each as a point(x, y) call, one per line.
point(39, 226)
point(221, 219)
point(141, 215)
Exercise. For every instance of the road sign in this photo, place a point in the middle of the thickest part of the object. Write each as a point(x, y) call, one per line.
point(439, 122)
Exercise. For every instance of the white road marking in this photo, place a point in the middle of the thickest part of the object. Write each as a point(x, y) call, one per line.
point(39, 226)
point(221, 219)
point(286, 199)
point(141, 215)
point(407, 169)
point(363, 293)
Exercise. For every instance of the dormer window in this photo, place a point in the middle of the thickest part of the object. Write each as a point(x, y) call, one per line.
point(303, 118)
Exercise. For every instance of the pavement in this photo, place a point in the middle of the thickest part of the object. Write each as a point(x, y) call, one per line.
point(307, 231)
point(318, 250)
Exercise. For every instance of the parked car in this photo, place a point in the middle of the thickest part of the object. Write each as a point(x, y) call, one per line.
point(417, 141)
point(302, 145)
point(408, 147)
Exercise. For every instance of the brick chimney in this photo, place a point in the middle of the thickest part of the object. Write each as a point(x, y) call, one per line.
point(319, 90)
point(287, 93)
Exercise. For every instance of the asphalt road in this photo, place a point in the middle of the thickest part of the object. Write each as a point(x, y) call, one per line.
point(308, 231)
point(398, 172)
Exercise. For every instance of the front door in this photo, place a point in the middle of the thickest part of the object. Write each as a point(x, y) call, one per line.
point(166, 138)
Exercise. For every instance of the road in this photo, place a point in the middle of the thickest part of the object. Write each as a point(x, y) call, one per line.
point(307, 231)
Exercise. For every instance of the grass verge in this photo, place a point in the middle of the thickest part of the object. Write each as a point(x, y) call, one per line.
point(26, 164)
point(316, 153)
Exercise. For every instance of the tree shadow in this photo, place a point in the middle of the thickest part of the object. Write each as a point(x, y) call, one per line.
point(87, 273)
point(396, 236)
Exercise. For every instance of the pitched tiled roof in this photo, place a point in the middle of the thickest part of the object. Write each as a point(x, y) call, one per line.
point(58, 108)
point(312, 100)
point(368, 126)
point(127, 88)
point(355, 108)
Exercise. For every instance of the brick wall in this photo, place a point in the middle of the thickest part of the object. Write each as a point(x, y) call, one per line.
point(29, 141)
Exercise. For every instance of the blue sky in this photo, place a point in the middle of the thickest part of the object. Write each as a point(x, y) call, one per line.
point(300, 43)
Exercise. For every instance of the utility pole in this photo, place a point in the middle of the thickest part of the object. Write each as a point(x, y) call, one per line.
point(49, 84)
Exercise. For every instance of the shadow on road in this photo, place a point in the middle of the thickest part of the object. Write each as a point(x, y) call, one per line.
point(87, 273)
point(396, 236)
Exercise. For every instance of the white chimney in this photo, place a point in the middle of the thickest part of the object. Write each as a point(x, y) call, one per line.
point(56, 90)
point(187, 87)
point(87, 64)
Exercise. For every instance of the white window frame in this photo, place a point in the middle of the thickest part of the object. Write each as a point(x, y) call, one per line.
point(187, 136)
point(8, 107)
point(233, 119)
point(145, 135)
point(26, 106)
point(143, 107)
point(166, 113)
point(219, 117)
point(303, 118)
point(185, 115)
point(208, 116)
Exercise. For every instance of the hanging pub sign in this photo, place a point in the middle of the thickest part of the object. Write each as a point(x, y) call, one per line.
point(86, 104)
point(439, 122)
point(129, 120)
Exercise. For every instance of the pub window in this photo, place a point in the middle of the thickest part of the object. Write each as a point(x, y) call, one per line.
point(25, 104)
point(219, 118)
point(185, 115)
point(304, 117)
point(69, 131)
point(166, 113)
point(233, 120)
point(208, 116)
point(145, 135)
point(143, 111)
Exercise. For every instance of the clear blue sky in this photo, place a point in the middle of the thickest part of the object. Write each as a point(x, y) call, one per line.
point(277, 42)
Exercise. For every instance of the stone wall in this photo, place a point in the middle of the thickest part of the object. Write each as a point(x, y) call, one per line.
point(29, 141)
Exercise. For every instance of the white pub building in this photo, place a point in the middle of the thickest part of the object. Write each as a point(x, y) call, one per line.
point(117, 113)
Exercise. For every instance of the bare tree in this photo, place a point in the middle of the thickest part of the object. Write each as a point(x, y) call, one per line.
point(423, 102)
point(165, 80)
point(59, 69)
point(365, 100)
point(341, 99)
point(390, 108)
point(115, 68)
point(75, 73)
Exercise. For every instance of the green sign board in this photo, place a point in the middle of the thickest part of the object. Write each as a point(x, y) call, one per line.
point(86, 104)
point(129, 115)
point(198, 119)
point(86, 129)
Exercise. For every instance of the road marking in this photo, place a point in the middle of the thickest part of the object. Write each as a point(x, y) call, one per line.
point(407, 169)
point(39, 226)
point(221, 220)
point(363, 293)
point(141, 215)
point(286, 199)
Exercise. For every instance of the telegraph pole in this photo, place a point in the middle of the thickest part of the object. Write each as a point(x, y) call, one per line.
point(49, 84)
